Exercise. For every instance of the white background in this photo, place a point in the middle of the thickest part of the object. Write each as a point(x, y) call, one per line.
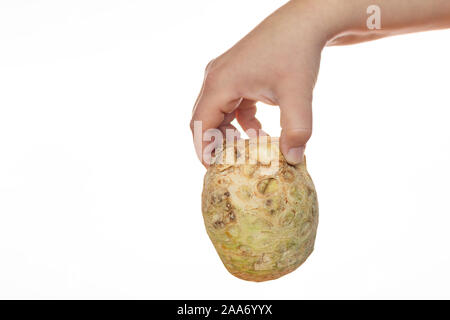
point(100, 186)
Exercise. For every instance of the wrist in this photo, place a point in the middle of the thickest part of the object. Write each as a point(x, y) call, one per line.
point(332, 19)
point(353, 21)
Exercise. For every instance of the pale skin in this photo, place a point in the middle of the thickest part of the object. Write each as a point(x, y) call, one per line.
point(278, 62)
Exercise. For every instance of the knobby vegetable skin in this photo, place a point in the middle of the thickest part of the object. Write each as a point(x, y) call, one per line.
point(261, 217)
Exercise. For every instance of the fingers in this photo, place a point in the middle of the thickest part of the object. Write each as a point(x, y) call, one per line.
point(296, 124)
point(210, 111)
point(226, 125)
point(245, 116)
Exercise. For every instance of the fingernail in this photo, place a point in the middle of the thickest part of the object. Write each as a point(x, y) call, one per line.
point(295, 155)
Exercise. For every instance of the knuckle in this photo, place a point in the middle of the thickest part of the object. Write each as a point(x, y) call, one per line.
point(298, 135)
point(209, 65)
point(191, 125)
point(213, 75)
point(211, 79)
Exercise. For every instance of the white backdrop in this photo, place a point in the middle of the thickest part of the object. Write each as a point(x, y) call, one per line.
point(100, 186)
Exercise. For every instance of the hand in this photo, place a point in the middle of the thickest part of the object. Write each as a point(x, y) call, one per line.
point(278, 63)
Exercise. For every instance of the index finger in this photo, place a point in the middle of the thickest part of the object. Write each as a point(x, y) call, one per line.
point(214, 102)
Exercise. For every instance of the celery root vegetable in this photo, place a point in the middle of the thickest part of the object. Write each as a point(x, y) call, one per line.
point(261, 216)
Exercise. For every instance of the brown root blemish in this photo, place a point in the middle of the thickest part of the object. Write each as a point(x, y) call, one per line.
point(267, 186)
point(218, 224)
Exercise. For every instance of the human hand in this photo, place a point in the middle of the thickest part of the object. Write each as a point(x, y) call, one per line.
point(278, 63)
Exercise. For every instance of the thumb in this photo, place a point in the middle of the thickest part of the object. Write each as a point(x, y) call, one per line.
point(296, 127)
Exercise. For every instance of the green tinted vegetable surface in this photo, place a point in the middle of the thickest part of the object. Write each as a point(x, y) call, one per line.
point(261, 216)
